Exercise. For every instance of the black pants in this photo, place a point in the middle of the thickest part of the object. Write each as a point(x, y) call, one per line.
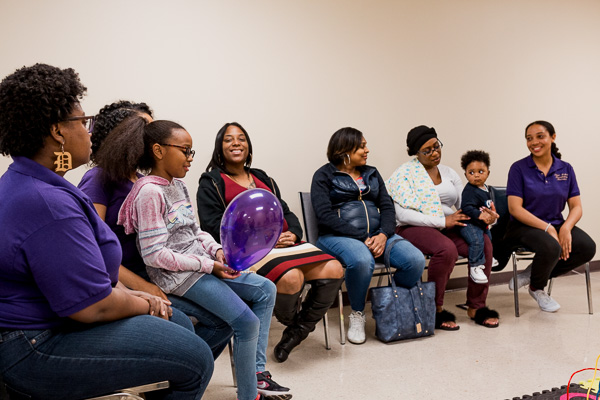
point(546, 263)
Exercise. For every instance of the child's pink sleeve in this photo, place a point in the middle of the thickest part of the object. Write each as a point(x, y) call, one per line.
point(153, 235)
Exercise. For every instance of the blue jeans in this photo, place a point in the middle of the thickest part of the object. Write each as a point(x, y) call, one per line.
point(246, 305)
point(181, 319)
point(88, 360)
point(473, 235)
point(359, 262)
point(215, 332)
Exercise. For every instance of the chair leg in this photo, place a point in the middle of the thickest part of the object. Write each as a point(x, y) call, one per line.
point(550, 286)
point(326, 329)
point(341, 309)
point(230, 346)
point(588, 284)
point(516, 287)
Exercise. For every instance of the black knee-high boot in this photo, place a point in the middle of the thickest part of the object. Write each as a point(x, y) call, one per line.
point(286, 307)
point(320, 297)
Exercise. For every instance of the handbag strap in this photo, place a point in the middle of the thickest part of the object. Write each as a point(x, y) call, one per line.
point(414, 294)
point(386, 261)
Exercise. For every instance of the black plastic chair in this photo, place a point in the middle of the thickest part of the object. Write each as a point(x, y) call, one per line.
point(311, 230)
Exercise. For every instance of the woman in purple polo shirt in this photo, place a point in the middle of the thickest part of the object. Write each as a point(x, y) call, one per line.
point(67, 330)
point(539, 186)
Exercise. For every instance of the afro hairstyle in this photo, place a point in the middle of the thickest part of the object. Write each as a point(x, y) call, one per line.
point(32, 99)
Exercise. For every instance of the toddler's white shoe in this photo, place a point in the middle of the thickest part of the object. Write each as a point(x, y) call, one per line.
point(477, 274)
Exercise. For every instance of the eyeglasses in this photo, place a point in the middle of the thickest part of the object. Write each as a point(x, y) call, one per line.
point(88, 121)
point(436, 147)
point(186, 150)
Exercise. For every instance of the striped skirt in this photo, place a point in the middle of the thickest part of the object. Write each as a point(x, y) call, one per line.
point(279, 261)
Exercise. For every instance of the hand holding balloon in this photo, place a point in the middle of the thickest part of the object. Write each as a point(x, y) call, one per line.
point(220, 257)
point(222, 271)
point(220, 268)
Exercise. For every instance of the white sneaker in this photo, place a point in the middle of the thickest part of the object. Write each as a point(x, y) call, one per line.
point(495, 263)
point(523, 279)
point(477, 274)
point(356, 330)
point(544, 300)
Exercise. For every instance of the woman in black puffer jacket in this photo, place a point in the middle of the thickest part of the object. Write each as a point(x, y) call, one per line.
point(357, 222)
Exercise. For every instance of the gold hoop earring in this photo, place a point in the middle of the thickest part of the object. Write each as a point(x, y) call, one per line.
point(63, 160)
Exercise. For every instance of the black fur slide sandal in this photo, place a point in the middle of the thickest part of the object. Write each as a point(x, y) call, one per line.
point(482, 314)
point(443, 317)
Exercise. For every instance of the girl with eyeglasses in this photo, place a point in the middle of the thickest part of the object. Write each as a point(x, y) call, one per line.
point(427, 198)
point(183, 260)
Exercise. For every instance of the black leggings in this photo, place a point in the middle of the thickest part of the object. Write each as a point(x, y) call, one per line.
point(546, 263)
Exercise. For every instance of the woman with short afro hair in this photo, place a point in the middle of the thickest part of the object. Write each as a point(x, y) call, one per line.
point(30, 105)
point(67, 328)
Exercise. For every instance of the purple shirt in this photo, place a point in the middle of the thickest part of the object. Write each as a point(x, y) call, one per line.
point(112, 195)
point(543, 196)
point(57, 256)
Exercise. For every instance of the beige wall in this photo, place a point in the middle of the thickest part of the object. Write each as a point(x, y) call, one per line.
point(294, 72)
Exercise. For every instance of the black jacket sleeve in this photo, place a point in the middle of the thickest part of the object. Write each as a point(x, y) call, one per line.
point(211, 206)
point(470, 202)
point(329, 221)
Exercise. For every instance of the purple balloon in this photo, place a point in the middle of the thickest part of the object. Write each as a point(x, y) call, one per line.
point(250, 228)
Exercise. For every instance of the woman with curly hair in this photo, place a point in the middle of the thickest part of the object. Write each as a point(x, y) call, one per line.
point(108, 192)
point(67, 328)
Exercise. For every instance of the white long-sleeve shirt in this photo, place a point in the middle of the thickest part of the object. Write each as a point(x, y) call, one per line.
point(449, 191)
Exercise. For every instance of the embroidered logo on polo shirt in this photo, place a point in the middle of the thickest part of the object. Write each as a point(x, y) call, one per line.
point(562, 177)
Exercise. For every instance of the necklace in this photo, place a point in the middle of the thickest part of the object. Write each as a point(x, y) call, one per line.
point(250, 185)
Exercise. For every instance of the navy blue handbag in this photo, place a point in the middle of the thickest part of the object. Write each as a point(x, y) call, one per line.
point(402, 313)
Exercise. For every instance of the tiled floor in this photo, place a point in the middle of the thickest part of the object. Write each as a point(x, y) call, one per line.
point(534, 352)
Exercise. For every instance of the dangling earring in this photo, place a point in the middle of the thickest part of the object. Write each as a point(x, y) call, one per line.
point(249, 160)
point(63, 160)
point(347, 159)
